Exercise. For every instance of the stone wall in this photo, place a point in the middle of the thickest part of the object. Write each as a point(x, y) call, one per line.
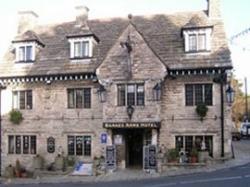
point(178, 119)
point(51, 117)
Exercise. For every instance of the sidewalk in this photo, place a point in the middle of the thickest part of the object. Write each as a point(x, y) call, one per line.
point(242, 156)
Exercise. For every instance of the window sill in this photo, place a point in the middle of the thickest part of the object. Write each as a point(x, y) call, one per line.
point(198, 52)
point(81, 58)
point(25, 62)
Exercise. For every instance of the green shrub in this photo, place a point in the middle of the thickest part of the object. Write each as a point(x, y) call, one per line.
point(201, 110)
point(173, 155)
point(16, 116)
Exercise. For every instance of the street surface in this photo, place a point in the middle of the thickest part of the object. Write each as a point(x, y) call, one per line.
point(231, 177)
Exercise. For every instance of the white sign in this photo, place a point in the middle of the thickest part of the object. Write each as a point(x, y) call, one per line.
point(118, 139)
point(83, 169)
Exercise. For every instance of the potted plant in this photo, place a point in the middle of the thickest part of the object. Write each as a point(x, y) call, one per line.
point(15, 116)
point(173, 155)
point(194, 155)
point(18, 168)
point(201, 110)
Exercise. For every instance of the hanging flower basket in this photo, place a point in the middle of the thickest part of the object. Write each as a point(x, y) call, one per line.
point(16, 116)
point(201, 110)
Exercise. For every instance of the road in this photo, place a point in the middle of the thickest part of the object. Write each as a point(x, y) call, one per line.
point(231, 177)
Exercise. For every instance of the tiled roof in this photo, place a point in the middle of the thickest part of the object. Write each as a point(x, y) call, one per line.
point(161, 32)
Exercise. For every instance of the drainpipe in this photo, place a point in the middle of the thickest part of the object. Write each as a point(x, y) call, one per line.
point(1, 88)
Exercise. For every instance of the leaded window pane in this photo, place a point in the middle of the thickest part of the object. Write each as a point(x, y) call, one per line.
point(140, 95)
point(121, 95)
point(131, 95)
point(87, 145)
point(32, 144)
point(22, 99)
point(198, 94)
point(189, 95)
point(21, 54)
point(79, 98)
point(26, 144)
point(11, 144)
point(179, 143)
point(208, 94)
point(201, 42)
point(28, 53)
point(71, 98)
point(18, 144)
point(71, 145)
point(87, 98)
point(79, 145)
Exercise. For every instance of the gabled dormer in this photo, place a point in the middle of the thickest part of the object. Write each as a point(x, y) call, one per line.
point(81, 46)
point(26, 43)
point(81, 40)
point(197, 35)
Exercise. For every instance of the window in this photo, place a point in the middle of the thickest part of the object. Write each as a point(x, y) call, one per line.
point(79, 145)
point(22, 99)
point(157, 92)
point(22, 144)
point(131, 94)
point(25, 53)
point(186, 143)
point(197, 42)
point(81, 49)
point(198, 93)
point(79, 98)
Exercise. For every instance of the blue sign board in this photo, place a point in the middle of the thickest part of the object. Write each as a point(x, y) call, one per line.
point(104, 138)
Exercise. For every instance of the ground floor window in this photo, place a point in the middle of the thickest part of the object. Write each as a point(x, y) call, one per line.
point(18, 144)
point(79, 145)
point(187, 143)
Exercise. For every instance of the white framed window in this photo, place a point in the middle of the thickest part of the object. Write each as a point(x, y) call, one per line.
point(22, 100)
point(197, 40)
point(25, 52)
point(81, 48)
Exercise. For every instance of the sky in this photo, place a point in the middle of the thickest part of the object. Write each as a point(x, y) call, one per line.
point(235, 13)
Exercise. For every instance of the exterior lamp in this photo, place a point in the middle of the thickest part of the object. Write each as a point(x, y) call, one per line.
point(230, 93)
point(101, 93)
point(130, 111)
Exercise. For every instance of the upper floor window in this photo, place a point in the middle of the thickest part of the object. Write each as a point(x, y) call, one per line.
point(81, 48)
point(198, 93)
point(197, 40)
point(25, 52)
point(131, 94)
point(79, 98)
point(22, 99)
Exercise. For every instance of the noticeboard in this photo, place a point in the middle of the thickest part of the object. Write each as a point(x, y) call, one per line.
point(111, 157)
point(149, 157)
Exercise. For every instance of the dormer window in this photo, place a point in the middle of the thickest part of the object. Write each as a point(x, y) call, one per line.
point(81, 46)
point(197, 40)
point(81, 49)
point(25, 52)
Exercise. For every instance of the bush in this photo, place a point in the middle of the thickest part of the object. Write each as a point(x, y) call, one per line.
point(201, 110)
point(194, 152)
point(172, 155)
point(16, 116)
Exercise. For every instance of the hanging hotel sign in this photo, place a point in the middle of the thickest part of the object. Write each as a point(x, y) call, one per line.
point(150, 125)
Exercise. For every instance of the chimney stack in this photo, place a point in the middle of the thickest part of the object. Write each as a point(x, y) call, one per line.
point(213, 9)
point(81, 15)
point(27, 21)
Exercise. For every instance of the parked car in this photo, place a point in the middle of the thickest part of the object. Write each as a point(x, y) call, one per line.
point(245, 129)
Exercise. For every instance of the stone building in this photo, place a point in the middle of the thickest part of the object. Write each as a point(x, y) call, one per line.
point(137, 80)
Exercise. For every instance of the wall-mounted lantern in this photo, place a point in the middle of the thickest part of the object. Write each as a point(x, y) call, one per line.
point(130, 111)
point(230, 93)
point(101, 93)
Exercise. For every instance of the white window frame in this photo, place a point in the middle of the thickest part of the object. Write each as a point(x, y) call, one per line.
point(206, 31)
point(82, 39)
point(25, 44)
